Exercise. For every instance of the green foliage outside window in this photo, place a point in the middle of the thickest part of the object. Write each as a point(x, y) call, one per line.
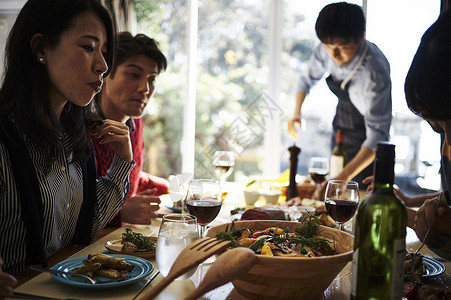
point(232, 73)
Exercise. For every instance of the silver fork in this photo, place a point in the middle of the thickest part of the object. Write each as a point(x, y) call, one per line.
point(89, 279)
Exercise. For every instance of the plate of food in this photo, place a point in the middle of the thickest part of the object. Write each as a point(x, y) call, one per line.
point(423, 267)
point(175, 206)
point(133, 243)
point(103, 267)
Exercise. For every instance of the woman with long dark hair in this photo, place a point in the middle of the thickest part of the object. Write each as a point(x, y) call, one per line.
point(428, 94)
point(57, 55)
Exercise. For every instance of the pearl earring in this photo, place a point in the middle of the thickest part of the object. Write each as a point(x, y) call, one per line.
point(41, 60)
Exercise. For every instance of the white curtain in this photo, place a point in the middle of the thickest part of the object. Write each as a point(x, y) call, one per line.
point(123, 14)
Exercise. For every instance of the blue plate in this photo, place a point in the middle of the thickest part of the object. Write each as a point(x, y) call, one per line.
point(174, 209)
point(142, 269)
point(433, 267)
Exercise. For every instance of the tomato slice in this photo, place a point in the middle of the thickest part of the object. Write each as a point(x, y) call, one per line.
point(410, 290)
point(259, 233)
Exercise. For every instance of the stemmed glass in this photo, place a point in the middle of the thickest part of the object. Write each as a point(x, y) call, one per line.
point(224, 161)
point(318, 169)
point(177, 231)
point(342, 200)
point(204, 201)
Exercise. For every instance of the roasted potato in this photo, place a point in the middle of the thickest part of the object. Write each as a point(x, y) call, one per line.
point(109, 262)
point(89, 267)
point(110, 273)
point(326, 220)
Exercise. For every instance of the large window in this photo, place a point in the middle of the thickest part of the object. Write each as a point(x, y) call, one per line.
point(231, 82)
point(237, 75)
point(232, 74)
point(397, 32)
point(166, 22)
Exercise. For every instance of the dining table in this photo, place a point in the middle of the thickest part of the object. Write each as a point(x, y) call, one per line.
point(43, 284)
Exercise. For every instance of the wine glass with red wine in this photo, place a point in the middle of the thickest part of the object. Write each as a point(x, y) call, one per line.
point(342, 200)
point(318, 169)
point(224, 161)
point(204, 201)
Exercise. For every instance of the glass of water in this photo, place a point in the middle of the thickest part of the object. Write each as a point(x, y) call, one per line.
point(176, 232)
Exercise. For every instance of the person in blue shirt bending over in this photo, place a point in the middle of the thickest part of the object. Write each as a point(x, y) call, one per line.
point(359, 75)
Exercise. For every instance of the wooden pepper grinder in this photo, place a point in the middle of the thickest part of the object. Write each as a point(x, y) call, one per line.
point(292, 189)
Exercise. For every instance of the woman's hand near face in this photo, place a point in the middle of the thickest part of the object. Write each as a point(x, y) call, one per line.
point(117, 135)
point(7, 283)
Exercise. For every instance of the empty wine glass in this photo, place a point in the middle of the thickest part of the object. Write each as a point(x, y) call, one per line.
point(204, 201)
point(318, 169)
point(223, 161)
point(177, 231)
point(342, 200)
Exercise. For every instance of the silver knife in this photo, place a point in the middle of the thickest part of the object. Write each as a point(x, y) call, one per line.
point(18, 295)
point(146, 284)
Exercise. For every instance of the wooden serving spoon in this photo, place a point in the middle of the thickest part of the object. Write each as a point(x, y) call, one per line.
point(224, 269)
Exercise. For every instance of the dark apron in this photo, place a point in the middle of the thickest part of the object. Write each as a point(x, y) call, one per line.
point(351, 122)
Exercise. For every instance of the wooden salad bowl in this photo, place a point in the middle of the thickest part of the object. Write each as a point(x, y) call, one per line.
point(291, 277)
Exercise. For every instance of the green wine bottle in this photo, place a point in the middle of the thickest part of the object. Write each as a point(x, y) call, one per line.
point(380, 236)
point(338, 158)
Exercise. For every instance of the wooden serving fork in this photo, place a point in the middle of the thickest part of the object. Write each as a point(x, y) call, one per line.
point(190, 257)
point(226, 268)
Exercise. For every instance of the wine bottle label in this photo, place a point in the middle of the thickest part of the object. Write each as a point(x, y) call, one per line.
point(336, 165)
point(399, 259)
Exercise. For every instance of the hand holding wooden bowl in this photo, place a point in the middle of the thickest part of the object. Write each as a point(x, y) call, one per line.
point(291, 277)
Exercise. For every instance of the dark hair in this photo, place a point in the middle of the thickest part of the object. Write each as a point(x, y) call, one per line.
point(25, 90)
point(428, 82)
point(340, 20)
point(128, 45)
